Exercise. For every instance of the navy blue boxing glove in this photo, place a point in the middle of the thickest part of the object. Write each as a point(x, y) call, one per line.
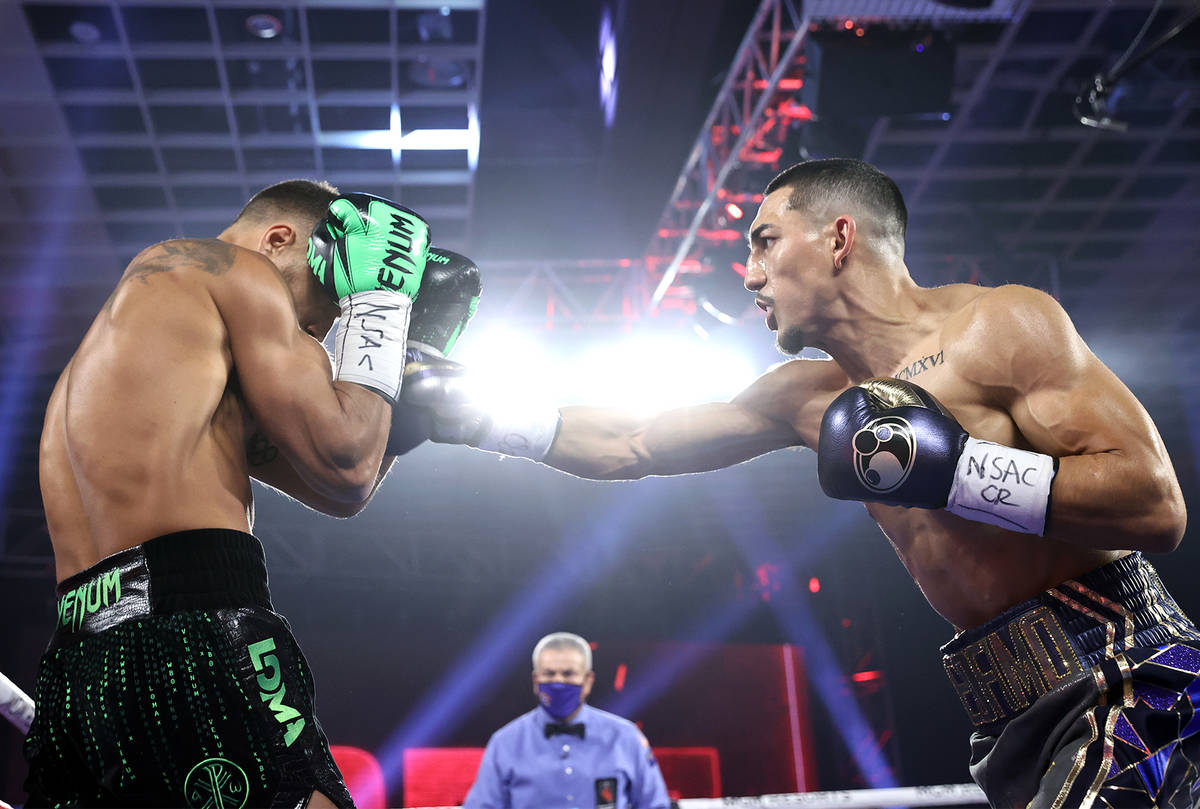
point(889, 441)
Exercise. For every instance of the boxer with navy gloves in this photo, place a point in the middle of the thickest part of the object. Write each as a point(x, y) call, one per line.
point(1016, 477)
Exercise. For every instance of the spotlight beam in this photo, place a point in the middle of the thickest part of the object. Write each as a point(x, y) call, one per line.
point(753, 538)
point(585, 554)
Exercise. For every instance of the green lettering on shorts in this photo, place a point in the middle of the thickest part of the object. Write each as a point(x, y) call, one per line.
point(91, 596)
point(216, 783)
point(272, 688)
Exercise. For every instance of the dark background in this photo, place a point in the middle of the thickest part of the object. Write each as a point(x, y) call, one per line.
point(418, 616)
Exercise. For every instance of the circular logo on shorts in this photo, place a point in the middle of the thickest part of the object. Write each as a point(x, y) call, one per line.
point(216, 783)
point(883, 453)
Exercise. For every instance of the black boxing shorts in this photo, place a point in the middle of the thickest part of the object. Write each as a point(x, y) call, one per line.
point(1085, 696)
point(170, 681)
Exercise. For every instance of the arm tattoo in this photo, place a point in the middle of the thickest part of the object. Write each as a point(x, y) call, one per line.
point(259, 450)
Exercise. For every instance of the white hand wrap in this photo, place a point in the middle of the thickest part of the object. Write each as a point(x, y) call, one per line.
point(1002, 486)
point(370, 340)
point(525, 432)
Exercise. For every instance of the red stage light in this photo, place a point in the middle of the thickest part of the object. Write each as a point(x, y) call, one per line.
point(362, 774)
point(814, 585)
point(859, 32)
point(849, 24)
point(734, 210)
point(768, 580)
point(866, 676)
point(783, 84)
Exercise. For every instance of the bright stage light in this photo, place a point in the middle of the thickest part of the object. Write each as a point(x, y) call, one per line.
point(509, 368)
point(651, 373)
point(644, 373)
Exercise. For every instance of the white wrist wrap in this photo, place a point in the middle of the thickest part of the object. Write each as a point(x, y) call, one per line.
point(370, 340)
point(527, 432)
point(1002, 486)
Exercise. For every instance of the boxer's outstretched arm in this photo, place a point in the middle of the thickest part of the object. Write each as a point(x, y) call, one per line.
point(778, 410)
point(1115, 487)
point(332, 433)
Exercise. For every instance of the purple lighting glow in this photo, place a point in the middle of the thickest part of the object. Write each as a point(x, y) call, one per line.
point(608, 68)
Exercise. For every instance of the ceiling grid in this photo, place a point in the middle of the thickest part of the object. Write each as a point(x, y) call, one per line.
point(181, 111)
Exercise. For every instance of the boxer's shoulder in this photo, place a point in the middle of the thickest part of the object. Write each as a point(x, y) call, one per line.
point(1007, 330)
point(1011, 307)
point(210, 256)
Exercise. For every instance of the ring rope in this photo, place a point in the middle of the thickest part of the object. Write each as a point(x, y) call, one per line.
point(15, 704)
point(939, 795)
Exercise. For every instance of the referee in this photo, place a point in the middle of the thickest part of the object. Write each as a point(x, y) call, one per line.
point(565, 753)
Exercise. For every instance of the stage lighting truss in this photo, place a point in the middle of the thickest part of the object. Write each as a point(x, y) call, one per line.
point(1005, 185)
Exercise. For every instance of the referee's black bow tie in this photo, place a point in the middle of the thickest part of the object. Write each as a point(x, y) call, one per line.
point(561, 727)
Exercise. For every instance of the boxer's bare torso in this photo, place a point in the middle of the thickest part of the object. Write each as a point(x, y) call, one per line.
point(144, 433)
point(972, 348)
point(148, 430)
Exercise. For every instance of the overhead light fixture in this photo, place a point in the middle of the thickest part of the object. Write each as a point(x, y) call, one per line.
point(438, 74)
point(435, 26)
point(608, 68)
point(264, 26)
point(84, 32)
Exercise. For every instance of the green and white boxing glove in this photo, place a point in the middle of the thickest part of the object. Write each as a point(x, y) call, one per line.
point(369, 253)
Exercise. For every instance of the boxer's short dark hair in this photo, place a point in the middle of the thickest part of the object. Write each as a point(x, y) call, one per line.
point(814, 182)
point(305, 200)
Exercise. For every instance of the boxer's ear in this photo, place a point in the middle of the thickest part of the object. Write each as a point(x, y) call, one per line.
point(844, 231)
point(276, 238)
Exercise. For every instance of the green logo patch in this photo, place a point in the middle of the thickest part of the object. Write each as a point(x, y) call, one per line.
point(216, 783)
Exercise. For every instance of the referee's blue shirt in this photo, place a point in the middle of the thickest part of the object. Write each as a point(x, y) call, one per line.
point(611, 766)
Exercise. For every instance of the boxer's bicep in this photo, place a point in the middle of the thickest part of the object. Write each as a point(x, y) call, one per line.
point(1061, 397)
point(1115, 485)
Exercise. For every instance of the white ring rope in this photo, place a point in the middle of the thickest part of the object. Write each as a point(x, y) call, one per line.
point(940, 795)
point(15, 704)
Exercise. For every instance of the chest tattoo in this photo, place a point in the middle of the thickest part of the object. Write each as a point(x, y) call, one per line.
point(920, 366)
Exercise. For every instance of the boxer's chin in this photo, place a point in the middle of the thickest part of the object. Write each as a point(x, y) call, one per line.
point(790, 341)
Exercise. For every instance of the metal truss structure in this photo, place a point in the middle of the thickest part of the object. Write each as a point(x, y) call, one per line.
point(1005, 185)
